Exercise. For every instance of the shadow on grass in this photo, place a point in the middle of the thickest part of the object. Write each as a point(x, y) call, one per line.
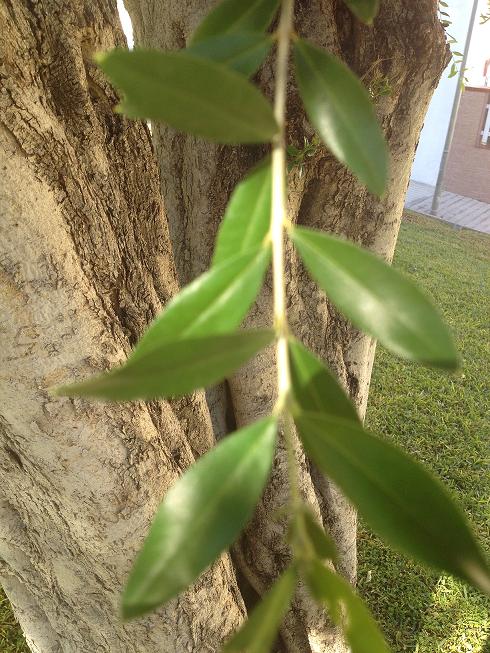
point(420, 611)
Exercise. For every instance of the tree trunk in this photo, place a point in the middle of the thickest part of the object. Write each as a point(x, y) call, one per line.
point(86, 263)
point(406, 48)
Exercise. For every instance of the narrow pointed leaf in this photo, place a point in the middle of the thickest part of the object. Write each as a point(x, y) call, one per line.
point(215, 303)
point(398, 497)
point(314, 387)
point(247, 217)
point(174, 369)
point(340, 110)
point(201, 516)
point(258, 633)
point(346, 609)
point(244, 52)
point(365, 10)
point(236, 16)
point(190, 94)
point(308, 539)
point(321, 541)
point(377, 298)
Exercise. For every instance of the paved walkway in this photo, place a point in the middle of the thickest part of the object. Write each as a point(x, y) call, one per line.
point(459, 210)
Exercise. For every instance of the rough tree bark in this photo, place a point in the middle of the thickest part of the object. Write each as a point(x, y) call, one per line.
point(86, 262)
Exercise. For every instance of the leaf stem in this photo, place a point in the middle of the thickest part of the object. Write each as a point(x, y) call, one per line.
point(278, 221)
point(279, 208)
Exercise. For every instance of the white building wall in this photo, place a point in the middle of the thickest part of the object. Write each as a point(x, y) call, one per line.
point(429, 152)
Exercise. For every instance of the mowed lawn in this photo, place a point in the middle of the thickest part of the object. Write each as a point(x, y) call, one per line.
point(442, 420)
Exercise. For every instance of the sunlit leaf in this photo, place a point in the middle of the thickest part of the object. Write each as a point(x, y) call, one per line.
point(236, 16)
point(314, 387)
point(346, 609)
point(216, 302)
point(340, 109)
point(247, 217)
point(190, 94)
point(377, 298)
point(201, 515)
point(398, 497)
point(243, 51)
point(174, 368)
point(365, 10)
point(259, 631)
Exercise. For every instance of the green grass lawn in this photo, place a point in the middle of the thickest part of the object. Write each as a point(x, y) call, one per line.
point(11, 638)
point(441, 419)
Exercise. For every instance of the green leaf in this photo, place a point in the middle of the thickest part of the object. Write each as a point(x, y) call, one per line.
point(244, 52)
point(401, 501)
point(377, 298)
point(340, 109)
point(174, 369)
point(314, 387)
point(346, 609)
point(259, 631)
point(236, 16)
point(190, 94)
point(365, 10)
point(322, 543)
point(215, 303)
point(319, 542)
point(247, 217)
point(202, 514)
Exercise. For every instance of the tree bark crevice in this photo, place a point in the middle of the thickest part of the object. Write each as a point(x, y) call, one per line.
point(86, 263)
